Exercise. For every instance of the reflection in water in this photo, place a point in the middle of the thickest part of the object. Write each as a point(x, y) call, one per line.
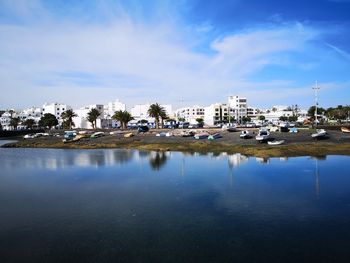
point(124, 156)
point(157, 159)
point(139, 216)
point(317, 173)
point(317, 179)
point(236, 159)
point(262, 160)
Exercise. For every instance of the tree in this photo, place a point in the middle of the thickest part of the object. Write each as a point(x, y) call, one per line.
point(163, 117)
point(123, 117)
point(274, 109)
point(246, 119)
point(340, 113)
point(293, 118)
point(181, 119)
point(156, 111)
point(67, 117)
point(93, 114)
point(311, 111)
point(231, 119)
point(14, 122)
point(29, 123)
point(262, 118)
point(48, 120)
point(283, 118)
point(199, 120)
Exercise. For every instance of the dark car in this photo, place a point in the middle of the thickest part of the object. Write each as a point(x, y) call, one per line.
point(143, 129)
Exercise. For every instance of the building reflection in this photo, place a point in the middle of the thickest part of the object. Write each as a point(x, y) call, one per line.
point(236, 159)
point(263, 160)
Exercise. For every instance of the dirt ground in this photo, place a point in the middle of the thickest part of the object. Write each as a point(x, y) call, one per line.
point(296, 144)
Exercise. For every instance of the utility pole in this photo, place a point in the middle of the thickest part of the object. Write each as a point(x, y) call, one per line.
point(316, 88)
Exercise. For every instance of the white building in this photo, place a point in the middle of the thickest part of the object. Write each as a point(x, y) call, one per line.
point(253, 112)
point(56, 109)
point(190, 114)
point(5, 120)
point(34, 113)
point(140, 111)
point(82, 122)
point(238, 107)
point(111, 107)
point(216, 113)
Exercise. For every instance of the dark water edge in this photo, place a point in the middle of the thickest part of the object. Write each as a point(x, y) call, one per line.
point(134, 206)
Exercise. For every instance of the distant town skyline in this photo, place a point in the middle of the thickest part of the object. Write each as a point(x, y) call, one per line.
point(183, 53)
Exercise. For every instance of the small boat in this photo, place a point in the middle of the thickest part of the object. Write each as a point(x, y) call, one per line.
point(80, 136)
point(161, 134)
point(229, 128)
point(263, 135)
point(200, 136)
point(273, 128)
point(275, 142)
point(97, 134)
point(319, 134)
point(187, 134)
point(29, 136)
point(214, 136)
point(345, 130)
point(245, 134)
point(67, 140)
point(69, 134)
point(128, 135)
point(293, 130)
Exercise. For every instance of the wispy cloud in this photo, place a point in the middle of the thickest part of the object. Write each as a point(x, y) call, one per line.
point(339, 51)
point(136, 61)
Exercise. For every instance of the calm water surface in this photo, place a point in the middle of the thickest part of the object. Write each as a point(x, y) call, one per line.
point(132, 206)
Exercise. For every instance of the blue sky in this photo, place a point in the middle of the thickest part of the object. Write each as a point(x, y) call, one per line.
point(178, 52)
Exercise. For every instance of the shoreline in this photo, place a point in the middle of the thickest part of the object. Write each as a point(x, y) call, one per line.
point(296, 144)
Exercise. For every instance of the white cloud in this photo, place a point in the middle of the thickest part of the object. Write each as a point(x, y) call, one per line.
point(84, 63)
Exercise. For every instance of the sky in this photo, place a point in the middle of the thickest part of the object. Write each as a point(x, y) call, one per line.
point(184, 52)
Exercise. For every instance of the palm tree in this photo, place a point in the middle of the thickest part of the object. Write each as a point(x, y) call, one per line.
point(123, 117)
point(156, 111)
point(14, 122)
point(93, 114)
point(67, 117)
point(29, 123)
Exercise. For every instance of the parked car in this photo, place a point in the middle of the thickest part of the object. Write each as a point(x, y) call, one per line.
point(250, 125)
point(184, 125)
point(143, 129)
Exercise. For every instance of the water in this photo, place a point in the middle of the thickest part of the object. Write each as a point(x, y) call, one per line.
point(131, 206)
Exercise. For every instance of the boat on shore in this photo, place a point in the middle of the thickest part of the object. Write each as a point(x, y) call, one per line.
point(214, 136)
point(229, 128)
point(293, 130)
point(128, 135)
point(200, 136)
point(345, 130)
point(164, 134)
point(245, 134)
point(263, 135)
point(275, 142)
point(97, 134)
point(187, 133)
point(29, 136)
point(320, 133)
